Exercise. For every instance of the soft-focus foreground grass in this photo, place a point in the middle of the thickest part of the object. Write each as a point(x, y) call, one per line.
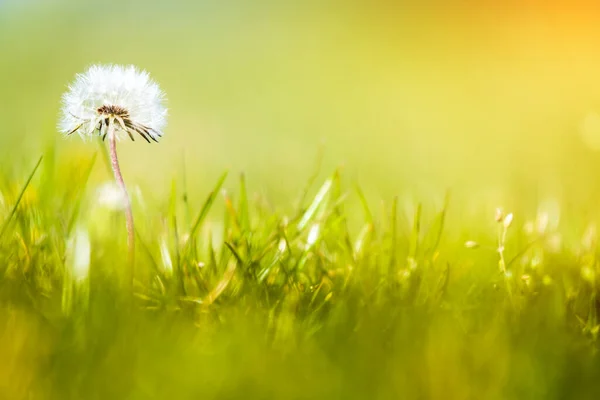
point(239, 298)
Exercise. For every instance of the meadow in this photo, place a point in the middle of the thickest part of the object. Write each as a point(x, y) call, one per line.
point(349, 202)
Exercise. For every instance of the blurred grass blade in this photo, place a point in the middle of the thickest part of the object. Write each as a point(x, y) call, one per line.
point(235, 253)
point(207, 205)
point(317, 201)
point(393, 233)
point(221, 285)
point(19, 198)
point(178, 267)
point(184, 195)
point(232, 212)
point(416, 231)
point(82, 185)
point(362, 240)
point(312, 179)
point(147, 251)
point(365, 205)
point(437, 228)
point(243, 213)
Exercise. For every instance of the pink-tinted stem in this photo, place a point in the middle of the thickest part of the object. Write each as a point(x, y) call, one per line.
point(114, 161)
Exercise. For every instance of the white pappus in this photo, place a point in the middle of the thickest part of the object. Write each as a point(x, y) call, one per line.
point(122, 96)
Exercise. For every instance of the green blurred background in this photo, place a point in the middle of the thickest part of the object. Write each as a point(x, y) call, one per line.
point(471, 96)
point(499, 104)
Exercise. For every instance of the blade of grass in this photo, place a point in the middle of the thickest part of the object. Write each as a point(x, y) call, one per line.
point(19, 198)
point(148, 253)
point(184, 195)
point(244, 216)
point(416, 231)
point(437, 228)
point(316, 203)
point(232, 212)
point(393, 234)
point(206, 207)
point(173, 220)
point(235, 253)
point(82, 185)
point(311, 180)
point(364, 204)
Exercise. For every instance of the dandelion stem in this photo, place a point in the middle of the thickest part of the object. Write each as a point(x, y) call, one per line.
point(114, 162)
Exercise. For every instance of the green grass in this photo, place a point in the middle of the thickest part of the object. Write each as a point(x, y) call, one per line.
point(332, 298)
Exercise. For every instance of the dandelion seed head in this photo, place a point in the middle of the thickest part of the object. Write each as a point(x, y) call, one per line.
point(123, 96)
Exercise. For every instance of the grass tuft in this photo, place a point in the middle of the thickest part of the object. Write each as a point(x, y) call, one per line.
point(326, 301)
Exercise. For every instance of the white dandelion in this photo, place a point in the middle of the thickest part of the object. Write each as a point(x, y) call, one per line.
point(113, 101)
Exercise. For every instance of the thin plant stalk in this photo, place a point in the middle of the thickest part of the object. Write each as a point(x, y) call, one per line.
point(114, 162)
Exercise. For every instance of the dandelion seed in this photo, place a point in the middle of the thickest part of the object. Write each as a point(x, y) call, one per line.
point(113, 101)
